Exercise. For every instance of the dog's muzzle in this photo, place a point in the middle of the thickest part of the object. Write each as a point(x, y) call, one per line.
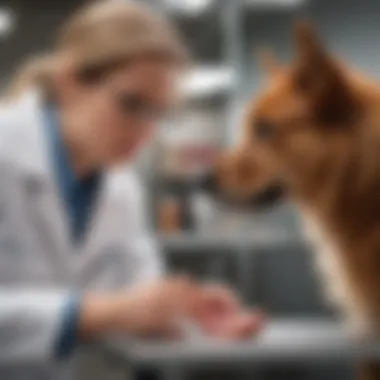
point(267, 197)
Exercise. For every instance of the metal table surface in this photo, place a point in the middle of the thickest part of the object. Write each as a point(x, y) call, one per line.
point(283, 341)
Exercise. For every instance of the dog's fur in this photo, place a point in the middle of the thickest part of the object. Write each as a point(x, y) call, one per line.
point(316, 130)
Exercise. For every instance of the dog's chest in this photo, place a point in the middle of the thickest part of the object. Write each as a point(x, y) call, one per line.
point(329, 264)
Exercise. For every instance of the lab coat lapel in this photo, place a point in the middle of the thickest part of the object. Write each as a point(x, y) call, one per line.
point(92, 259)
point(103, 264)
point(87, 263)
point(45, 206)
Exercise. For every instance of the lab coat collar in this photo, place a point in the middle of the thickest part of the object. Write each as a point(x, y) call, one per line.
point(29, 141)
point(27, 145)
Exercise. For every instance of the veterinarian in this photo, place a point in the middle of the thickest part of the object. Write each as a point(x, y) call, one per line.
point(76, 261)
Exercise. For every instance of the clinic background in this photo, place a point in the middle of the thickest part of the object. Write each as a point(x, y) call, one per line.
point(262, 255)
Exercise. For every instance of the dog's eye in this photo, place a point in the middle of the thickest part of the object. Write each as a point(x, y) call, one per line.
point(264, 130)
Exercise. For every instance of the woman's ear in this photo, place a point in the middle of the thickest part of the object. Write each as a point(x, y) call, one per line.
point(65, 80)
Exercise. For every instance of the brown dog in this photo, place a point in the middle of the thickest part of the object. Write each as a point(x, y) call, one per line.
point(315, 134)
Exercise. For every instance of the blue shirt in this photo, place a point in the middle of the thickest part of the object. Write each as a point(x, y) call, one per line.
point(79, 196)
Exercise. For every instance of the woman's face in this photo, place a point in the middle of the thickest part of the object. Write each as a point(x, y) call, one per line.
point(116, 118)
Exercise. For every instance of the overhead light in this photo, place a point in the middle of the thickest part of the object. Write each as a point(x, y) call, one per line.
point(7, 22)
point(275, 3)
point(190, 7)
point(208, 81)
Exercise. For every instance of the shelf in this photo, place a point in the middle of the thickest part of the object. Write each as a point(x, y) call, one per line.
point(186, 242)
point(257, 5)
point(197, 8)
point(304, 341)
point(188, 8)
point(208, 81)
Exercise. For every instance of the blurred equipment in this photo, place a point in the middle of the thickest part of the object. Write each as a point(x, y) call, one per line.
point(7, 22)
point(188, 148)
point(275, 3)
point(208, 81)
point(204, 212)
point(190, 144)
point(169, 215)
point(189, 7)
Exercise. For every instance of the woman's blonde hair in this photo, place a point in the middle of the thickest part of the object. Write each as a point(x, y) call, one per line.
point(102, 36)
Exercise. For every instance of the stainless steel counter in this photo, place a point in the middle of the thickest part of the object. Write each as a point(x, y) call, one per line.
point(284, 341)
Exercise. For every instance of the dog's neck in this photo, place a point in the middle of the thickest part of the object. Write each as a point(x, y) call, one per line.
point(344, 190)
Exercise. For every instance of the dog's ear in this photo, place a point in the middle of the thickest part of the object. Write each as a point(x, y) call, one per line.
point(308, 44)
point(321, 80)
point(268, 61)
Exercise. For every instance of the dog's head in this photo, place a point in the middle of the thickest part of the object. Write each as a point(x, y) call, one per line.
point(294, 131)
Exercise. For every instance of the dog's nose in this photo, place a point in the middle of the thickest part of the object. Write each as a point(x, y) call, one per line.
point(271, 195)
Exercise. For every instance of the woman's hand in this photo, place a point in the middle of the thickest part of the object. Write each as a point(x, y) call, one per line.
point(220, 314)
point(147, 309)
point(158, 308)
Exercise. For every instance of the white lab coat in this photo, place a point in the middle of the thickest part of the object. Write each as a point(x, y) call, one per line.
point(39, 266)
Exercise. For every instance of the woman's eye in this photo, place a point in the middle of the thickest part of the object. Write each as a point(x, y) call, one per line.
point(264, 130)
point(132, 103)
point(137, 106)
